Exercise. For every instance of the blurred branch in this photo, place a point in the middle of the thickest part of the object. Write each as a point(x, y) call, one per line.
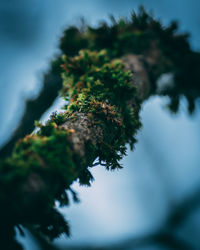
point(165, 239)
point(52, 83)
point(165, 236)
point(185, 209)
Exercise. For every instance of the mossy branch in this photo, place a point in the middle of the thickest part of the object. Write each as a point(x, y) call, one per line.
point(104, 96)
point(99, 120)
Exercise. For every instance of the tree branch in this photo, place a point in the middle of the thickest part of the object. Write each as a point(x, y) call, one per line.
point(52, 83)
point(101, 118)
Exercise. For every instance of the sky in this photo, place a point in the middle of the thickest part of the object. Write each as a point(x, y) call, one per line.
point(164, 166)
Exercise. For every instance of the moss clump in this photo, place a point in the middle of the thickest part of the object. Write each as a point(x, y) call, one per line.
point(42, 163)
point(142, 34)
point(99, 86)
point(134, 35)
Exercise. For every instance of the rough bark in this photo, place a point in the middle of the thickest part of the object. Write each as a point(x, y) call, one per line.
point(85, 130)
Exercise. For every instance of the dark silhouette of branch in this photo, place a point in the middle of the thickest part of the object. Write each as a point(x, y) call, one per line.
point(52, 83)
point(163, 239)
point(166, 236)
point(183, 210)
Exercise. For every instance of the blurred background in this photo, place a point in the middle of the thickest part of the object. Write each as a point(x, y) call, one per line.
point(132, 207)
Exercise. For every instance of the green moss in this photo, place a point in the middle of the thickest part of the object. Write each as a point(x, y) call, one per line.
point(99, 86)
point(141, 34)
point(94, 83)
